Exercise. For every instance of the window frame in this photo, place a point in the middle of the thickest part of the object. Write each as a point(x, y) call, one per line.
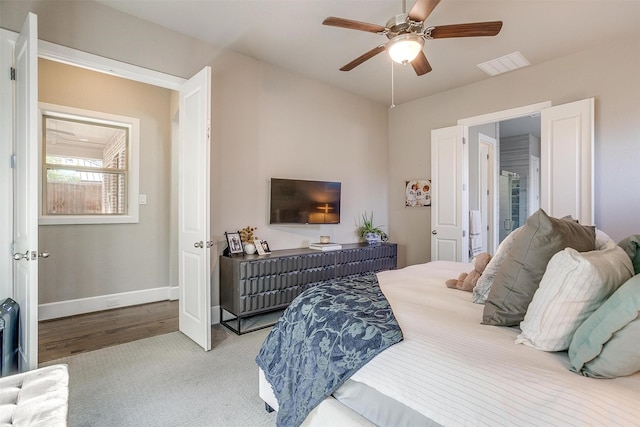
point(133, 175)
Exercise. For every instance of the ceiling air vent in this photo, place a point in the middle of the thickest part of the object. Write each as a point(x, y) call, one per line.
point(503, 64)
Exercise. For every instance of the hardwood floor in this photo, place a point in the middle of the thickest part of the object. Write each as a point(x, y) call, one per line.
point(86, 332)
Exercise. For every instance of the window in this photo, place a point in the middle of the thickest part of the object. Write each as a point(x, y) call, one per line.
point(89, 167)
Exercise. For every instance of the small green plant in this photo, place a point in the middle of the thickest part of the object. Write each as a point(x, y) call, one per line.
point(367, 227)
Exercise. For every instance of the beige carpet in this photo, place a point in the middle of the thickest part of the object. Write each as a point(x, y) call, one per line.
point(168, 380)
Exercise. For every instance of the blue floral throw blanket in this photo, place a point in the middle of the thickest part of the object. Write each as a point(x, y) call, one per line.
point(325, 335)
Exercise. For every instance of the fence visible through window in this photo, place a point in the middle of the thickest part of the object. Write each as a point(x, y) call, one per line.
point(85, 167)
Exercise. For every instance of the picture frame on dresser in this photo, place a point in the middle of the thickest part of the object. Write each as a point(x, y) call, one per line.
point(262, 247)
point(234, 242)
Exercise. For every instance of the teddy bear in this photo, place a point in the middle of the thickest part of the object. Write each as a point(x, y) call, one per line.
point(467, 281)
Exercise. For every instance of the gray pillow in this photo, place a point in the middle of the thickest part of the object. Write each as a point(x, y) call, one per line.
point(607, 344)
point(631, 246)
point(483, 285)
point(519, 275)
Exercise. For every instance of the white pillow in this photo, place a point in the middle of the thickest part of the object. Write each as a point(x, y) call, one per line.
point(574, 285)
point(483, 285)
point(603, 241)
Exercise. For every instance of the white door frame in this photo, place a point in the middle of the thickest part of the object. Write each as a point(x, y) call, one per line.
point(69, 56)
point(490, 231)
point(92, 62)
point(498, 116)
point(534, 184)
point(575, 118)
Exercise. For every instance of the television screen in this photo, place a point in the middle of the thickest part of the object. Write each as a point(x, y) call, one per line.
point(295, 201)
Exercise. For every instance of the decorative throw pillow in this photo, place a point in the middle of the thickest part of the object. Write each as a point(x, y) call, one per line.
point(573, 286)
point(519, 275)
point(481, 290)
point(631, 246)
point(603, 241)
point(606, 344)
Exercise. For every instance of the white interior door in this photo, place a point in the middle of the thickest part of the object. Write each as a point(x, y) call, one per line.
point(25, 272)
point(486, 196)
point(194, 261)
point(534, 184)
point(566, 163)
point(449, 192)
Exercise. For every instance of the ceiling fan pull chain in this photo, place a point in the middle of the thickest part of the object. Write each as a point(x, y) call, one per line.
point(392, 88)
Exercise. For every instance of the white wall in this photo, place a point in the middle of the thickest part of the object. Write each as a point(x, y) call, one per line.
point(609, 73)
point(266, 122)
point(271, 123)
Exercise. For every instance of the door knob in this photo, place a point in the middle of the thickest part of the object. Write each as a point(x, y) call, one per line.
point(434, 232)
point(199, 244)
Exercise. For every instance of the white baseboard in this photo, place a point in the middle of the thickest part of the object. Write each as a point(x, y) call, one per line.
point(105, 302)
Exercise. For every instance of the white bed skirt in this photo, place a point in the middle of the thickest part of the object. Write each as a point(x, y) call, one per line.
point(329, 412)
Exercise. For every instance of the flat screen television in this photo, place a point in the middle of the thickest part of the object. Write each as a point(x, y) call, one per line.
point(296, 201)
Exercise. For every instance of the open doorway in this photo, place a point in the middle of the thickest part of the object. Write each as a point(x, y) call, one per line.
point(566, 187)
point(101, 266)
point(507, 191)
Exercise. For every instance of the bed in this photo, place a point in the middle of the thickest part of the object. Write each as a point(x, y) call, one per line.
point(449, 369)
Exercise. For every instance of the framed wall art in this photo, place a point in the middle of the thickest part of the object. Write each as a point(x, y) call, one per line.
point(417, 193)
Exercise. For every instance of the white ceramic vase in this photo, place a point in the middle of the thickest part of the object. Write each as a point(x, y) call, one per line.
point(249, 248)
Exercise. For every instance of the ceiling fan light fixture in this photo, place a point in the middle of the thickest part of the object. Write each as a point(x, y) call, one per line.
point(404, 48)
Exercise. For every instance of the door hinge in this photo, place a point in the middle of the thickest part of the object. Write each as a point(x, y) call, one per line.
point(464, 141)
point(14, 161)
point(464, 233)
point(13, 73)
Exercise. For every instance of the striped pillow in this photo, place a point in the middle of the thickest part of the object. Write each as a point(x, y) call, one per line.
point(574, 285)
point(520, 274)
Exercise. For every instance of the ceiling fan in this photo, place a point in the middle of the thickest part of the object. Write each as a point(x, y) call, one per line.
point(407, 33)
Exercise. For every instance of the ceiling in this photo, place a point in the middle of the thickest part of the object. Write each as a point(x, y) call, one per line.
point(290, 34)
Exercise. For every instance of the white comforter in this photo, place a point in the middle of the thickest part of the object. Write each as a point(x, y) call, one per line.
point(456, 371)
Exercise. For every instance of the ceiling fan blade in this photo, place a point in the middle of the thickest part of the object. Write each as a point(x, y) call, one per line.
point(353, 25)
point(422, 9)
point(420, 64)
point(359, 60)
point(476, 29)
